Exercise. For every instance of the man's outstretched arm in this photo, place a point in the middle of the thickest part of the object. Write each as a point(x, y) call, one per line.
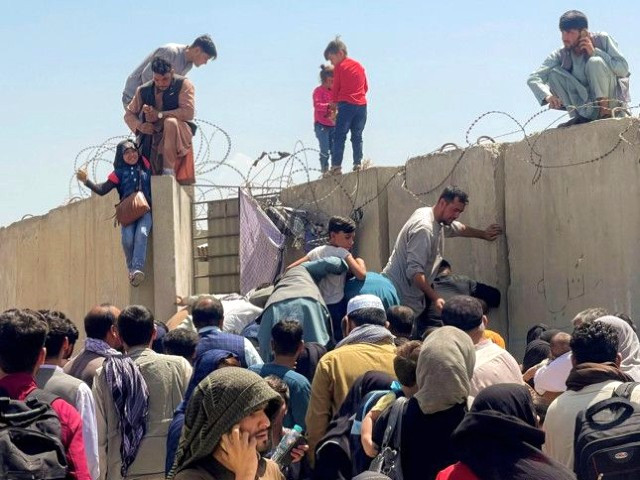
point(489, 234)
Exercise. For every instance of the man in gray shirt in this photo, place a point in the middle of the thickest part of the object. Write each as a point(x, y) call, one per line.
point(181, 58)
point(413, 264)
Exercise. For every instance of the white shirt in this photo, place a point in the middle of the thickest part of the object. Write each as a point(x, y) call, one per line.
point(552, 377)
point(331, 286)
point(493, 365)
point(85, 404)
point(559, 424)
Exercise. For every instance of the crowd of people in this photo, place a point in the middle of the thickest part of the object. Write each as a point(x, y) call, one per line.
point(389, 375)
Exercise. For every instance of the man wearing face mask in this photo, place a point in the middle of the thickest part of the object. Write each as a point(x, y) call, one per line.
point(413, 264)
point(161, 115)
point(588, 78)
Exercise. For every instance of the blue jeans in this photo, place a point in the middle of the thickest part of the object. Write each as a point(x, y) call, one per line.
point(134, 242)
point(324, 134)
point(350, 117)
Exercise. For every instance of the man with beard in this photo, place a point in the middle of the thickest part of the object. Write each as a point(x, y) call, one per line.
point(226, 427)
point(414, 262)
point(588, 77)
point(161, 115)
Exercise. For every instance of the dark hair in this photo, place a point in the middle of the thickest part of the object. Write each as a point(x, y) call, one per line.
point(326, 71)
point(280, 387)
point(372, 316)
point(444, 265)
point(287, 336)
point(429, 330)
point(463, 312)
point(341, 224)
point(451, 192)
point(160, 66)
point(401, 320)
point(99, 320)
point(406, 362)
point(206, 45)
point(181, 342)
point(595, 342)
point(60, 327)
point(535, 332)
point(118, 161)
point(208, 312)
point(573, 20)
point(135, 325)
point(336, 45)
point(22, 336)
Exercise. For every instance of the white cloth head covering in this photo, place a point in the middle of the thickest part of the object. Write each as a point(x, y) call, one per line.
point(364, 301)
point(445, 367)
point(628, 345)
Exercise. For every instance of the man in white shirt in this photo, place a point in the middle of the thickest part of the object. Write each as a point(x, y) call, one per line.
point(594, 377)
point(493, 364)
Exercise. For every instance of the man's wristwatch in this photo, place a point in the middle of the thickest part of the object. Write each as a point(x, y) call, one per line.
point(160, 115)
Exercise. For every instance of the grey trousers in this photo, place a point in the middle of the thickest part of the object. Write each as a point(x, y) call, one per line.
point(602, 83)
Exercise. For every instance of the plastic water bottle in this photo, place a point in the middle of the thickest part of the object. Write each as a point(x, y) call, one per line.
point(282, 454)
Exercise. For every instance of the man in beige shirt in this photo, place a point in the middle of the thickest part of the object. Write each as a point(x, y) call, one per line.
point(161, 115)
point(147, 386)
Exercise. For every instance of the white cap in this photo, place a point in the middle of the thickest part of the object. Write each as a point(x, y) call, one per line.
point(364, 301)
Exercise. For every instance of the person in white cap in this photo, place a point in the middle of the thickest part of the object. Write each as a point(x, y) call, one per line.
point(368, 345)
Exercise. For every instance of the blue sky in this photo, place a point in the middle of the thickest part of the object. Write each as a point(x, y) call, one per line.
point(432, 69)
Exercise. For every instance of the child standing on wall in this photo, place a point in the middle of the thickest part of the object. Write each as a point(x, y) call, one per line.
point(349, 97)
point(341, 239)
point(131, 171)
point(324, 116)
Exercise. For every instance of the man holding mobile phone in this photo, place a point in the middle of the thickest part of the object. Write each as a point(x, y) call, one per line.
point(588, 77)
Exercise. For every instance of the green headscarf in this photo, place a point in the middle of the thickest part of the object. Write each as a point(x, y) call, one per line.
point(220, 401)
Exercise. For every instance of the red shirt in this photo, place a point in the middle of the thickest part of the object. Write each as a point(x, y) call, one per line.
point(349, 83)
point(458, 471)
point(18, 386)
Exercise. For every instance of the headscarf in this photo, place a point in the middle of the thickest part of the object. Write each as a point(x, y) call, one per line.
point(499, 438)
point(445, 367)
point(535, 352)
point(534, 332)
point(367, 333)
point(118, 161)
point(220, 401)
point(628, 345)
point(131, 399)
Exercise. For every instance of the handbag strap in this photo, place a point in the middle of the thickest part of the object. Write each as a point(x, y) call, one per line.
point(394, 425)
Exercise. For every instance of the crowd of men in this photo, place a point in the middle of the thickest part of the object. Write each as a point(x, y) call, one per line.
point(414, 383)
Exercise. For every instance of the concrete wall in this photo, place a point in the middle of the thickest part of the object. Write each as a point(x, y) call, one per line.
point(71, 258)
point(339, 196)
point(573, 236)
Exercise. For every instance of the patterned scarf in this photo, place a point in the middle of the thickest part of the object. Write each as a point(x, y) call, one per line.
point(100, 347)
point(131, 399)
point(367, 334)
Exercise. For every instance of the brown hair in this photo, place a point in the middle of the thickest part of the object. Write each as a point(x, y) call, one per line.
point(326, 71)
point(336, 45)
point(406, 362)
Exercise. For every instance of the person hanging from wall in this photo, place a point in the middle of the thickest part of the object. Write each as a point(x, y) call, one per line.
point(161, 114)
point(324, 116)
point(131, 173)
point(589, 77)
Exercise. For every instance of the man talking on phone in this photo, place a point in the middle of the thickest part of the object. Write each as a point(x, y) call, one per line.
point(588, 77)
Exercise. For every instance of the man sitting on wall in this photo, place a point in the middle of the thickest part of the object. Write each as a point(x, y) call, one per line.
point(161, 114)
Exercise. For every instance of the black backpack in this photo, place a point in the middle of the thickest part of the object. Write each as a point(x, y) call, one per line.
point(30, 438)
point(607, 438)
